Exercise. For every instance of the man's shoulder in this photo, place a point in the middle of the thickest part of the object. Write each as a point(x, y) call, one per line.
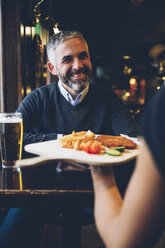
point(44, 92)
point(48, 87)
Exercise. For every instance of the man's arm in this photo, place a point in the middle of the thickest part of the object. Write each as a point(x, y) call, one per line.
point(29, 138)
point(139, 219)
point(32, 108)
point(122, 121)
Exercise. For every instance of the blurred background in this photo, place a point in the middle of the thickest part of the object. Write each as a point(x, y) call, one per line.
point(126, 40)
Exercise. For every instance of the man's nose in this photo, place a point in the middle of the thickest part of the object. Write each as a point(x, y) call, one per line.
point(77, 64)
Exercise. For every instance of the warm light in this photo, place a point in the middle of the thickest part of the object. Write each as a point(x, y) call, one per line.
point(28, 90)
point(45, 74)
point(22, 91)
point(132, 81)
point(163, 78)
point(33, 31)
point(28, 30)
point(158, 87)
point(37, 20)
point(127, 94)
point(127, 70)
point(142, 93)
point(126, 57)
point(22, 30)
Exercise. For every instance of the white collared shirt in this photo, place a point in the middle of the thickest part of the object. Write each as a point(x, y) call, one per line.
point(68, 96)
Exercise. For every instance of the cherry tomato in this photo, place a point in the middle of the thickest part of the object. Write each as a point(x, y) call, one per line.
point(92, 147)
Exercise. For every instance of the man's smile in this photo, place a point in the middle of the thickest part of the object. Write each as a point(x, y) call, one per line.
point(78, 76)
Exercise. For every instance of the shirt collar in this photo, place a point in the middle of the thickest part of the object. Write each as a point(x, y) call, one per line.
point(68, 96)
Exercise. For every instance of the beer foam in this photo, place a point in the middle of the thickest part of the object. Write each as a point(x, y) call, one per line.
point(10, 119)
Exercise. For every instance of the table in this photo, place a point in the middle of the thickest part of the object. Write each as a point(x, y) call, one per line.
point(43, 186)
point(72, 190)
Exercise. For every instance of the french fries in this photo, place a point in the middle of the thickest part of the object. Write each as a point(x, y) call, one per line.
point(76, 140)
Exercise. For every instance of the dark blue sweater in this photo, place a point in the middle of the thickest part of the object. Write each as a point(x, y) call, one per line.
point(47, 113)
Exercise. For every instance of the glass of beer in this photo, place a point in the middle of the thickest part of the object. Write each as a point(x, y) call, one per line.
point(11, 136)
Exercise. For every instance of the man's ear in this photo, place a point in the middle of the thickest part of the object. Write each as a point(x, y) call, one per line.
point(51, 68)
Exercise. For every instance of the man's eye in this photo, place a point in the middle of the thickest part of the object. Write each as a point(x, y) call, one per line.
point(66, 60)
point(83, 56)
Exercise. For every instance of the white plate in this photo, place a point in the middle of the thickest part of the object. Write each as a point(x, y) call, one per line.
point(52, 151)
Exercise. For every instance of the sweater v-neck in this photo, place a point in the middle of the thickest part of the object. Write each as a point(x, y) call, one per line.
point(68, 104)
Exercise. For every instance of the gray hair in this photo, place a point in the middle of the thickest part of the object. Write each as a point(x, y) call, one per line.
point(59, 38)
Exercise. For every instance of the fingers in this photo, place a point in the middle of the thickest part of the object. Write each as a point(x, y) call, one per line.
point(102, 170)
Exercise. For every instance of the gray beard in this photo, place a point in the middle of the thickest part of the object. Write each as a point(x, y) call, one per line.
point(76, 85)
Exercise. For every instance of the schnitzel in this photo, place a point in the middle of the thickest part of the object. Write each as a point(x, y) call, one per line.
point(115, 141)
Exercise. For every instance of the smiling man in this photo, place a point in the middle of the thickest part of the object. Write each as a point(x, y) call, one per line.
point(72, 103)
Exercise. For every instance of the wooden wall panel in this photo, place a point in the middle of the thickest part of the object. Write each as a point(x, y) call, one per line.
point(12, 54)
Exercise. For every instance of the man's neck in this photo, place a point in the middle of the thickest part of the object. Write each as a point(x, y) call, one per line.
point(72, 92)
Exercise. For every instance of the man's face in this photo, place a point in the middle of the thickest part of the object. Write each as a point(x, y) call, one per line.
point(73, 64)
